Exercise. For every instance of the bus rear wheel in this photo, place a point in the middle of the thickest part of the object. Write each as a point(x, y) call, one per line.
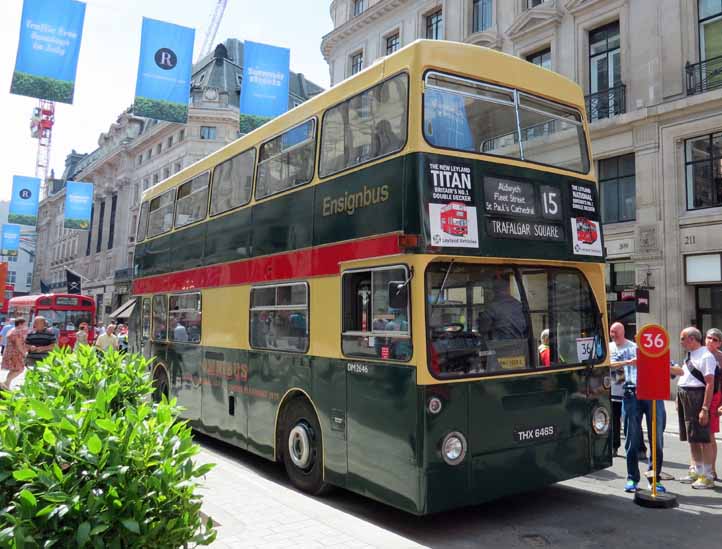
point(303, 447)
point(161, 386)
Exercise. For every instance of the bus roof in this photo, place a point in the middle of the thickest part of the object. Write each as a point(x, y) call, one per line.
point(460, 59)
point(32, 300)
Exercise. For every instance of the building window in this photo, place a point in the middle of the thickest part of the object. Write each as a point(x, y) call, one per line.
point(169, 142)
point(605, 71)
point(140, 159)
point(434, 22)
point(710, 29)
point(530, 4)
point(541, 58)
point(709, 307)
point(111, 227)
point(703, 163)
point(618, 189)
point(359, 6)
point(393, 43)
point(208, 132)
point(11, 277)
point(181, 135)
point(90, 232)
point(148, 154)
point(146, 183)
point(28, 279)
point(357, 62)
point(279, 317)
point(158, 148)
point(166, 172)
point(481, 16)
point(12, 259)
point(155, 178)
point(176, 167)
point(621, 276)
point(101, 218)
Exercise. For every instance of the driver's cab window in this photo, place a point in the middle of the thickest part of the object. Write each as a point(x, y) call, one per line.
point(376, 314)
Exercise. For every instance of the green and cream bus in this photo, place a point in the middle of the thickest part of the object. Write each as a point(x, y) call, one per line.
point(395, 288)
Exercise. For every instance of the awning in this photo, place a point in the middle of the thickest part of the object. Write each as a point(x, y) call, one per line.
point(124, 311)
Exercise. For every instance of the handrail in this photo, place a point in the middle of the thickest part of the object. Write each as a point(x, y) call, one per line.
point(704, 76)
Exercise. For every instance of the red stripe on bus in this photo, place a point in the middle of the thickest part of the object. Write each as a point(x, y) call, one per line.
point(298, 264)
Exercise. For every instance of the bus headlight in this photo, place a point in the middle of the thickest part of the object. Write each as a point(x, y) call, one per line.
point(600, 420)
point(453, 448)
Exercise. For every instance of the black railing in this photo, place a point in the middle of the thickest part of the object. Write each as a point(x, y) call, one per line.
point(704, 76)
point(123, 274)
point(607, 103)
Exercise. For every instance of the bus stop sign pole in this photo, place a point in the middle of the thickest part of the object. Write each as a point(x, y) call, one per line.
point(653, 384)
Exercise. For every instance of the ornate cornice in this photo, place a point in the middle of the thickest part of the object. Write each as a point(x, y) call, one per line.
point(489, 38)
point(356, 24)
point(577, 7)
point(542, 16)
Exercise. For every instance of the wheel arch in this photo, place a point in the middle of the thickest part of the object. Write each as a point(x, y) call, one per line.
point(289, 395)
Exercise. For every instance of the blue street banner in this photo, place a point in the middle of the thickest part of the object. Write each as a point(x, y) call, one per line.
point(78, 205)
point(24, 201)
point(264, 90)
point(162, 89)
point(10, 239)
point(47, 57)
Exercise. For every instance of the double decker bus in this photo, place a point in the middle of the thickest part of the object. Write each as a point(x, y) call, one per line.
point(64, 313)
point(302, 301)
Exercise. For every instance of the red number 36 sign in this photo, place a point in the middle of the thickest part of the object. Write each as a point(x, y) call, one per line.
point(653, 340)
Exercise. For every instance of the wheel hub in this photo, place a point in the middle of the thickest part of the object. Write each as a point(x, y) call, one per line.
point(299, 446)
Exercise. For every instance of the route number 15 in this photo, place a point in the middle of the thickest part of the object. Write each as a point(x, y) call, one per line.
point(551, 205)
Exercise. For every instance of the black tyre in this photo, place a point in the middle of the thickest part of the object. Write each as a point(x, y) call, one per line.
point(161, 385)
point(302, 447)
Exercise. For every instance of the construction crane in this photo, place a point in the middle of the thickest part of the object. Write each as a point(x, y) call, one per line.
point(212, 29)
point(41, 128)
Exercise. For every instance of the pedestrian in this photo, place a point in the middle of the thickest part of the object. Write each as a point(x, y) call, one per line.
point(14, 354)
point(40, 341)
point(623, 355)
point(713, 341)
point(617, 398)
point(694, 398)
point(543, 349)
point(107, 340)
point(99, 329)
point(9, 325)
point(81, 337)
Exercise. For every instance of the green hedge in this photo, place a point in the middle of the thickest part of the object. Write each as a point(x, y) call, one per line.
point(160, 110)
point(86, 460)
point(42, 87)
point(75, 223)
point(20, 219)
point(249, 122)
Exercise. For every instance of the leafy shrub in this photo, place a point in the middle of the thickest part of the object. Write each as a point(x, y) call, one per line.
point(22, 219)
point(249, 122)
point(161, 110)
point(42, 87)
point(87, 460)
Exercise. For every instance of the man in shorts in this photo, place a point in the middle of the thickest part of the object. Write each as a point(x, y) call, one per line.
point(694, 397)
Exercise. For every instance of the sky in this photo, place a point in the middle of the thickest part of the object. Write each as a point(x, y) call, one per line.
point(108, 63)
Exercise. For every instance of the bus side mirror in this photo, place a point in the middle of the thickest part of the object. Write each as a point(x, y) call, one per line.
point(398, 294)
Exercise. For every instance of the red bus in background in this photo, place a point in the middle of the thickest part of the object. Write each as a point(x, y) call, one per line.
point(454, 219)
point(64, 312)
point(9, 290)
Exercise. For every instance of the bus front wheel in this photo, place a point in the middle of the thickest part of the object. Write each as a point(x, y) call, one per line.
point(303, 447)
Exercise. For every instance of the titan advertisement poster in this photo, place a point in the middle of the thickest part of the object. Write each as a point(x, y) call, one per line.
point(264, 91)
point(162, 89)
point(47, 57)
point(24, 201)
point(78, 205)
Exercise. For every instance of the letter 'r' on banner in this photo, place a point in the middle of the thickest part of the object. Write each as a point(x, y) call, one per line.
point(162, 89)
point(47, 57)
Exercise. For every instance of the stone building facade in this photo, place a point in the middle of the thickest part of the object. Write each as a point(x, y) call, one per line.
point(134, 154)
point(652, 75)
